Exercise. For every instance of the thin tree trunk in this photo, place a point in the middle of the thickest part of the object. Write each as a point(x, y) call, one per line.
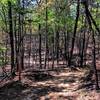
point(22, 36)
point(40, 61)
point(82, 51)
point(11, 37)
point(46, 36)
point(74, 35)
point(93, 39)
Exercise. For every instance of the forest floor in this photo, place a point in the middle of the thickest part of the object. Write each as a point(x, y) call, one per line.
point(61, 84)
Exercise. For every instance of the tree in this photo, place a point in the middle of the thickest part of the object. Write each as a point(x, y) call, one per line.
point(11, 37)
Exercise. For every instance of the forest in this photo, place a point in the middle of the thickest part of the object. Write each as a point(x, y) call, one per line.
point(49, 50)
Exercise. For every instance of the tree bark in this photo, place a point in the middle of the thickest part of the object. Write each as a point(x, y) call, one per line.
point(11, 37)
point(74, 34)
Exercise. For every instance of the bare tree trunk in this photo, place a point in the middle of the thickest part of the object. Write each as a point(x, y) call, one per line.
point(74, 35)
point(89, 14)
point(53, 52)
point(22, 36)
point(40, 61)
point(16, 43)
point(57, 46)
point(82, 51)
point(11, 37)
point(94, 62)
point(30, 43)
point(46, 36)
point(93, 39)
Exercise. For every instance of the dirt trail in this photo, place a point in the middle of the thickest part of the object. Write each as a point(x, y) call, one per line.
point(63, 85)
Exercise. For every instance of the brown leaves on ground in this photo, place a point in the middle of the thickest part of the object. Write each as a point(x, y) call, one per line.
point(60, 85)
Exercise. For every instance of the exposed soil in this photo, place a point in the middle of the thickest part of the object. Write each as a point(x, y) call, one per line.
point(54, 85)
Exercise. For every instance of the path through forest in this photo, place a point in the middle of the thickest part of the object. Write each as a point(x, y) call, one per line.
point(61, 84)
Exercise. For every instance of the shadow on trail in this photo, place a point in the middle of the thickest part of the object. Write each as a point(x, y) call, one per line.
point(51, 85)
point(20, 91)
point(40, 76)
